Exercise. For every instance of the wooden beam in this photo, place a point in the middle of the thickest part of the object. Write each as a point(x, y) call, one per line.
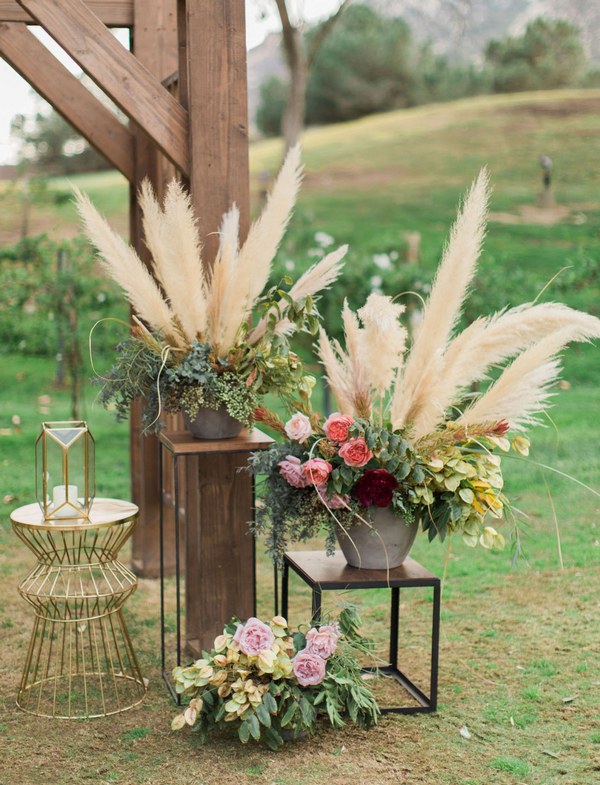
point(154, 44)
point(215, 70)
point(212, 84)
point(113, 13)
point(137, 91)
point(68, 96)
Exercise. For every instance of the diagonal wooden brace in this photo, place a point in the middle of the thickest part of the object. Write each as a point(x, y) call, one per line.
point(135, 90)
point(114, 13)
point(68, 96)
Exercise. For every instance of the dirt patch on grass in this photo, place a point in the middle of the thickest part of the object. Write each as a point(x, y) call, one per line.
point(542, 216)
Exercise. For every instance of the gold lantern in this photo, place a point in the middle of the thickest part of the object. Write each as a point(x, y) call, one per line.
point(65, 484)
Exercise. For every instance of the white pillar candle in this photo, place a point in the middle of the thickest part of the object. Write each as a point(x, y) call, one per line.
point(64, 495)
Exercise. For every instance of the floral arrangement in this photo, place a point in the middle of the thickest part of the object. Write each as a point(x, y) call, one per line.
point(194, 344)
point(271, 683)
point(409, 433)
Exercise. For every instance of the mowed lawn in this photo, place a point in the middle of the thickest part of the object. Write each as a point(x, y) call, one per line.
point(519, 661)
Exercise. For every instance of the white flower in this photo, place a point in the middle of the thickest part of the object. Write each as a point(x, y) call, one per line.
point(289, 265)
point(376, 281)
point(323, 239)
point(298, 427)
point(382, 260)
point(101, 297)
point(394, 256)
point(316, 252)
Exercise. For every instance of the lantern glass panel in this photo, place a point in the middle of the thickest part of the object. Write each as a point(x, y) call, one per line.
point(65, 470)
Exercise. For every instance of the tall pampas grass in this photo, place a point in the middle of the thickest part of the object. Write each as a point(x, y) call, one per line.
point(425, 385)
point(172, 238)
point(443, 308)
point(316, 279)
point(211, 308)
point(382, 341)
point(523, 390)
point(124, 265)
point(490, 341)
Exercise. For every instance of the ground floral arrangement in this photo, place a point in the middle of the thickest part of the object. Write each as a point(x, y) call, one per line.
point(272, 684)
point(410, 434)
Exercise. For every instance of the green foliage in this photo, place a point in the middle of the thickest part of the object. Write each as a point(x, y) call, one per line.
point(49, 144)
point(273, 97)
point(548, 55)
point(260, 696)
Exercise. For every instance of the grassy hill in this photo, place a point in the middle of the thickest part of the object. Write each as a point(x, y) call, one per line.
point(517, 656)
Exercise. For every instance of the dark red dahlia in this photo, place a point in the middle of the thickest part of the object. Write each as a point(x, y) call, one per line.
point(375, 487)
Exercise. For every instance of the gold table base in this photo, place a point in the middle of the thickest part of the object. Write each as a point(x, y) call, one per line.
point(80, 662)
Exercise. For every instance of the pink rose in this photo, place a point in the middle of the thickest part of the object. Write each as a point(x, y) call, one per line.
point(317, 470)
point(323, 641)
point(291, 471)
point(335, 502)
point(254, 636)
point(336, 426)
point(298, 427)
point(356, 452)
point(309, 668)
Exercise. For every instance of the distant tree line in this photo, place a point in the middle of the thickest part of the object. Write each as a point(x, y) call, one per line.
point(369, 63)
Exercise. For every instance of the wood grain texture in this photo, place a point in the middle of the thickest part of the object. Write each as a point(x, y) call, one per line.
point(113, 13)
point(154, 44)
point(214, 62)
point(183, 443)
point(219, 563)
point(333, 571)
point(137, 91)
point(68, 96)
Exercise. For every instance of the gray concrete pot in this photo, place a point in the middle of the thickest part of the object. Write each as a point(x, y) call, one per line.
point(382, 545)
point(213, 424)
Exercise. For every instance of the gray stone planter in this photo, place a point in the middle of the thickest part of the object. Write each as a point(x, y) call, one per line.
point(213, 424)
point(382, 545)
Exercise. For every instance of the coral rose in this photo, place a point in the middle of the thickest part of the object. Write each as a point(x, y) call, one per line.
point(253, 637)
point(291, 471)
point(336, 426)
point(298, 427)
point(355, 452)
point(309, 668)
point(376, 487)
point(317, 470)
point(323, 641)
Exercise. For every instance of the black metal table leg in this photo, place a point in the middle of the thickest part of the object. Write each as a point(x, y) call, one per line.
point(394, 621)
point(435, 646)
point(284, 590)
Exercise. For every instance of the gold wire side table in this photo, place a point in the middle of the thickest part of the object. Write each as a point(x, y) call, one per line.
point(80, 662)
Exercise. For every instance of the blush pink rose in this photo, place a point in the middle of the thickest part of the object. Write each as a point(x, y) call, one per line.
point(334, 502)
point(323, 640)
point(291, 471)
point(254, 636)
point(356, 453)
point(317, 470)
point(336, 426)
point(298, 427)
point(309, 668)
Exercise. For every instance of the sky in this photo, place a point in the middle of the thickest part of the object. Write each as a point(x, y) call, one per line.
point(16, 97)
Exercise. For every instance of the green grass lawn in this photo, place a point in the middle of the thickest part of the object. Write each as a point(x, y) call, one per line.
point(519, 661)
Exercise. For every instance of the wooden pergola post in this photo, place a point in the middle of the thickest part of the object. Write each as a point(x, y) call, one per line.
point(193, 122)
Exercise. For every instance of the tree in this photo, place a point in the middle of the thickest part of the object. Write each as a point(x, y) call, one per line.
point(300, 56)
point(369, 64)
point(51, 146)
point(549, 54)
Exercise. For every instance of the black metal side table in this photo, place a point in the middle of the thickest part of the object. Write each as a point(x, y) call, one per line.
point(324, 573)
